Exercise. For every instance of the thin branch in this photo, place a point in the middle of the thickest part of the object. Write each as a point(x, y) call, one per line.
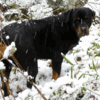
point(5, 83)
point(93, 92)
point(94, 3)
point(39, 91)
point(2, 94)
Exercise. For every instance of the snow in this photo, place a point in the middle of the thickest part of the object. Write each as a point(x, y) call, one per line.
point(43, 8)
point(7, 37)
point(22, 3)
point(65, 87)
point(9, 50)
point(2, 67)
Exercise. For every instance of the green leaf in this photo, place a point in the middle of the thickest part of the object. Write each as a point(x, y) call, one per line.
point(72, 72)
point(83, 89)
point(97, 77)
point(94, 66)
point(89, 66)
point(66, 59)
point(81, 76)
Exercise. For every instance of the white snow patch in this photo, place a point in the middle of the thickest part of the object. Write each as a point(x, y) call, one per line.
point(2, 67)
point(9, 50)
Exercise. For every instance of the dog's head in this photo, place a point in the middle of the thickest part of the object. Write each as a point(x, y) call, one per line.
point(81, 20)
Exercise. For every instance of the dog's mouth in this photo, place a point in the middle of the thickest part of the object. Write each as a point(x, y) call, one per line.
point(82, 31)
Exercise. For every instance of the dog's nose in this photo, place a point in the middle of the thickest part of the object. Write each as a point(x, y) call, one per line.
point(83, 29)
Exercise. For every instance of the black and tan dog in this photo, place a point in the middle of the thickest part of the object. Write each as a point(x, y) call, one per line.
point(47, 38)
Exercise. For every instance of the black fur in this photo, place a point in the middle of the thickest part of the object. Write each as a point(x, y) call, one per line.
point(47, 38)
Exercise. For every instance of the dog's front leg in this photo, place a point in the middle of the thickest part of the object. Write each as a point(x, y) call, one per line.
point(56, 66)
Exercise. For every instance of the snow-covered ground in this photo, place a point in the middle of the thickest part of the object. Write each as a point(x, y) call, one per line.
point(85, 69)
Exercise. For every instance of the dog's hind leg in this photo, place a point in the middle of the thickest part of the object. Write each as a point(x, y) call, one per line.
point(5, 82)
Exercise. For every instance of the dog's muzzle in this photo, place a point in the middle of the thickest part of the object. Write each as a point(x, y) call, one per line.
point(82, 30)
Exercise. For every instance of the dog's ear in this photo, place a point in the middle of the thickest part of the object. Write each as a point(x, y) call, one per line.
point(93, 15)
point(68, 15)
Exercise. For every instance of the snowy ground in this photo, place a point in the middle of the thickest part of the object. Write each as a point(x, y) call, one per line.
point(86, 71)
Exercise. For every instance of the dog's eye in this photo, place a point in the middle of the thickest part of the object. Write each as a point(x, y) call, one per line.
point(86, 17)
point(78, 18)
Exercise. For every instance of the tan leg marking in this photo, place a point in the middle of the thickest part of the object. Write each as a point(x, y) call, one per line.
point(55, 75)
point(51, 63)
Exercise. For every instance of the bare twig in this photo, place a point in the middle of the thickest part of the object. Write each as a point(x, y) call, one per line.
point(39, 91)
point(94, 3)
point(93, 92)
point(5, 83)
point(2, 94)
